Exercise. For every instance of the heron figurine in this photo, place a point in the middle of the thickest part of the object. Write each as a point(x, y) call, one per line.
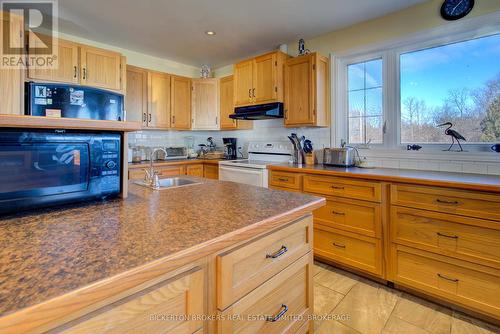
point(454, 136)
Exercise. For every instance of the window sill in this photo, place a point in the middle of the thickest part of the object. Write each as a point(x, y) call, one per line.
point(381, 153)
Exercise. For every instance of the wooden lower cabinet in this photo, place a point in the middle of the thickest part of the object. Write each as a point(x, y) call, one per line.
point(350, 249)
point(211, 171)
point(194, 170)
point(280, 305)
point(467, 284)
point(286, 180)
point(147, 311)
point(343, 187)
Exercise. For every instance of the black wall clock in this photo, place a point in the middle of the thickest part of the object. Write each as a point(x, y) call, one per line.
point(456, 9)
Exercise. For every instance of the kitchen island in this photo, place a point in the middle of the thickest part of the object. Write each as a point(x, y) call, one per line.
point(203, 250)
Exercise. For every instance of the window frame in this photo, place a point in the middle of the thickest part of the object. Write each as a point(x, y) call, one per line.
point(390, 53)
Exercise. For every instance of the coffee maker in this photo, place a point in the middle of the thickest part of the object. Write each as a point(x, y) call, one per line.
point(230, 148)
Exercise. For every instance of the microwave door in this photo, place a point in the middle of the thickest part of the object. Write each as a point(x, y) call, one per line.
point(40, 169)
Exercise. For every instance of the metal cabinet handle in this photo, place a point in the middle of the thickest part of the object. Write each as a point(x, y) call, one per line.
point(447, 236)
point(338, 213)
point(75, 71)
point(280, 314)
point(448, 279)
point(276, 255)
point(253, 92)
point(149, 118)
point(144, 117)
point(337, 187)
point(84, 73)
point(250, 93)
point(446, 202)
point(339, 245)
point(173, 119)
point(283, 179)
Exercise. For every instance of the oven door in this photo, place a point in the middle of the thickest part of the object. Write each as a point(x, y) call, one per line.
point(253, 176)
point(40, 172)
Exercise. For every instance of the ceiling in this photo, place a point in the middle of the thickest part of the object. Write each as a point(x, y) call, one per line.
point(175, 29)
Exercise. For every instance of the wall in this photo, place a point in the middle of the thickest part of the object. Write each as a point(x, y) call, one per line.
point(392, 26)
point(142, 60)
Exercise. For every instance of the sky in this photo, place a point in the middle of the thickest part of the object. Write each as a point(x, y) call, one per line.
point(429, 74)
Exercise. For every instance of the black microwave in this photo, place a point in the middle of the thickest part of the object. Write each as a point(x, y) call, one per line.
point(47, 168)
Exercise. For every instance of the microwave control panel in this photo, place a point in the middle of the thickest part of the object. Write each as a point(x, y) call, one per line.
point(110, 165)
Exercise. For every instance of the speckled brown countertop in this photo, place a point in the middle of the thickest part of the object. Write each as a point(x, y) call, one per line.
point(48, 253)
point(445, 179)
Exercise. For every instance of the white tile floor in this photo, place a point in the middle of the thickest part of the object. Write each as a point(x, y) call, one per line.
point(346, 303)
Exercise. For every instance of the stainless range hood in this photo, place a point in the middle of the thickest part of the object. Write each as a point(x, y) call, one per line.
point(261, 111)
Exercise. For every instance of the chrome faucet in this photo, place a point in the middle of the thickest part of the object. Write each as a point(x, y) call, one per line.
point(151, 176)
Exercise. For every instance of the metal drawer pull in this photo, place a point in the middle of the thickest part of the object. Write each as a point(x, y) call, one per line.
point(446, 202)
point(337, 187)
point(339, 245)
point(280, 314)
point(75, 71)
point(447, 236)
point(338, 213)
point(276, 255)
point(283, 179)
point(448, 279)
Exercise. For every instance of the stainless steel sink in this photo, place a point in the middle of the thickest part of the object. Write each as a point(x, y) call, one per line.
point(173, 182)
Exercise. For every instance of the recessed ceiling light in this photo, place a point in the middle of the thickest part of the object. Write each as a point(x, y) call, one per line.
point(210, 33)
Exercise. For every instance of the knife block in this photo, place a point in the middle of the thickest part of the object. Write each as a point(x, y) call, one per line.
point(309, 158)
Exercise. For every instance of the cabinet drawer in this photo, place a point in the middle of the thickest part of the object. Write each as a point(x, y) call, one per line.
point(467, 238)
point(461, 282)
point(460, 202)
point(351, 215)
point(286, 298)
point(285, 180)
point(354, 250)
point(171, 170)
point(343, 187)
point(243, 269)
point(180, 296)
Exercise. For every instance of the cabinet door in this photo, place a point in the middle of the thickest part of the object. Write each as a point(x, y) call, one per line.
point(298, 91)
point(211, 171)
point(181, 103)
point(205, 104)
point(100, 68)
point(194, 170)
point(227, 104)
point(159, 100)
point(11, 80)
point(67, 70)
point(136, 100)
point(243, 83)
point(265, 87)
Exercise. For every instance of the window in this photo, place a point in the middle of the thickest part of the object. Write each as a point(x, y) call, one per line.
point(398, 93)
point(365, 120)
point(458, 83)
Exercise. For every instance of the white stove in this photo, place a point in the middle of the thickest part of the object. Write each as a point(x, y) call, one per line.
point(253, 171)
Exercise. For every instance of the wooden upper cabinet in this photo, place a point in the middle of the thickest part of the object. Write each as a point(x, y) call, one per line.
point(67, 67)
point(243, 83)
point(158, 100)
point(136, 100)
point(307, 86)
point(259, 80)
point(205, 104)
point(11, 80)
point(226, 89)
point(100, 68)
point(264, 79)
point(181, 102)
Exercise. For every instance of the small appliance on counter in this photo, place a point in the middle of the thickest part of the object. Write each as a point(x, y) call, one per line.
point(339, 157)
point(52, 167)
point(173, 153)
point(59, 100)
point(230, 148)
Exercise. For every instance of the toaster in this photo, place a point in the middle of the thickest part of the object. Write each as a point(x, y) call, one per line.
point(339, 157)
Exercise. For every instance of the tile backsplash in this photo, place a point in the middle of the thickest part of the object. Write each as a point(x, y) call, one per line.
point(273, 130)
